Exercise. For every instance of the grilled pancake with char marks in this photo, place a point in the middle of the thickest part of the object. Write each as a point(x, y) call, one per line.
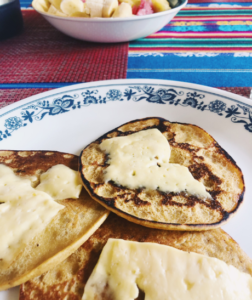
point(67, 280)
point(191, 147)
point(67, 230)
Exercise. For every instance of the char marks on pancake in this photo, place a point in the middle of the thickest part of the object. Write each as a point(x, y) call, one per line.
point(191, 147)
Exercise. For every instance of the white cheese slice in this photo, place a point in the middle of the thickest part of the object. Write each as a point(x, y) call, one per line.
point(10, 184)
point(142, 160)
point(25, 213)
point(60, 182)
point(163, 272)
point(21, 220)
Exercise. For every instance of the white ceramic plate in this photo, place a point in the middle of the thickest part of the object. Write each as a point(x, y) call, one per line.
point(112, 30)
point(69, 118)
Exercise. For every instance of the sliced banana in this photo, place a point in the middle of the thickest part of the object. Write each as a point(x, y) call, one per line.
point(60, 14)
point(132, 2)
point(109, 6)
point(52, 10)
point(87, 10)
point(55, 3)
point(41, 5)
point(95, 8)
point(123, 10)
point(79, 14)
point(92, 8)
point(70, 7)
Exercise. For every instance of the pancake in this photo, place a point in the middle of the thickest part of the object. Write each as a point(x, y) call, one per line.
point(68, 279)
point(69, 229)
point(191, 147)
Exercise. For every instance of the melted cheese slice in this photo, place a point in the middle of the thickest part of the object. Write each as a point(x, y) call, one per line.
point(142, 160)
point(27, 211)
point(163, 272)
point(21, 220)
point(60, 182)
point(9, 183)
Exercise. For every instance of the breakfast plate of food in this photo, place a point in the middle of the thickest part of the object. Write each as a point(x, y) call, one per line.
point(102, 182)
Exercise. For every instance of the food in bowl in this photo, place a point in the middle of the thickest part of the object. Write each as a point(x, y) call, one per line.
point(106, 30)
point(101, 8)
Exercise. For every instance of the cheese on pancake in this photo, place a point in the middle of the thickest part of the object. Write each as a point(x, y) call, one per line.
point(60, 182)
point(29, 210)
point(11, 186)
point(25, 213)
point(163, 272)
point(141, 160)
point(192, 148)
point(38, 232)
point(22, 220)
point(68, 279)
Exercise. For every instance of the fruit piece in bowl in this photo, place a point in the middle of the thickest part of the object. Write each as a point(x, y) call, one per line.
point(145, 8)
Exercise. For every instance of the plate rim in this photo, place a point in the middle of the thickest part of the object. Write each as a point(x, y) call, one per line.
point(103, 83)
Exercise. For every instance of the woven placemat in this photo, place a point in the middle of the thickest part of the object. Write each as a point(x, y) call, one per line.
point(9, 96)
point(242, 91)
point(43, 54)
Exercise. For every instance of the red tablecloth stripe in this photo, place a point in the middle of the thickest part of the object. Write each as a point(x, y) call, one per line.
point(43, 54)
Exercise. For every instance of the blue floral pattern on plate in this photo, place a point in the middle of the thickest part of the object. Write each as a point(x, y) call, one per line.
point(37, 111)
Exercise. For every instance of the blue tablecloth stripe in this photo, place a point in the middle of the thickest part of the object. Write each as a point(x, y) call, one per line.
point(220, 70)
point(214, 79)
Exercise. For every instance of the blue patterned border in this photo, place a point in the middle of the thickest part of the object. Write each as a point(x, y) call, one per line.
point(39, 109)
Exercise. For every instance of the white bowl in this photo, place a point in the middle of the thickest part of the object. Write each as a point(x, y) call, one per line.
point(112, 30)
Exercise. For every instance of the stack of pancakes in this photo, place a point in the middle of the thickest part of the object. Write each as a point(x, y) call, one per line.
point(179, 220)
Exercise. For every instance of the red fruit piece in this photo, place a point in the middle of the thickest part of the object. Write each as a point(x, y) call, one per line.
point(134, 9)
point(145, 8)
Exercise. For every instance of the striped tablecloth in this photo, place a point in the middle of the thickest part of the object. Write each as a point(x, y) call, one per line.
point(208, 43)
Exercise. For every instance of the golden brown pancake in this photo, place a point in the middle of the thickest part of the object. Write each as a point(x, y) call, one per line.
point(68, 279)
point(69, 229)
point(191, 147)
